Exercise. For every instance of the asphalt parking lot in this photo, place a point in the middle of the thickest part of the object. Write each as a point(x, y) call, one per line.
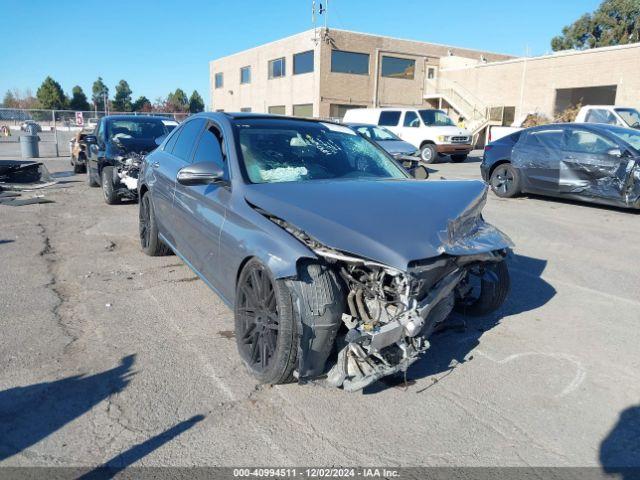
point(111, 356)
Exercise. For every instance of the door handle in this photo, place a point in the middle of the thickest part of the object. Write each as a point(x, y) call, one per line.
point(155, 164)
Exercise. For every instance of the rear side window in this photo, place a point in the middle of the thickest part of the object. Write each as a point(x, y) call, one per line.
point(389, 118)
point(171, 140)
point(187, 139)
point(548, 138)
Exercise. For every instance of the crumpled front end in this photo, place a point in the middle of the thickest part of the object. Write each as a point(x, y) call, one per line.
point(372, 320)
point(127, 171)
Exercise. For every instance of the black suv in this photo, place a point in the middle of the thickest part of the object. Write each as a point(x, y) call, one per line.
point(115, 152)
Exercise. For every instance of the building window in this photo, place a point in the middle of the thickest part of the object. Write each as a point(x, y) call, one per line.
point(245, 109)
point(219, 80)
point(277, 110)
point(245, 75)
point(304, 110)
point(389, 118)
point(277, 68)
point(395, 67)
point(431, 73)
point(303, 62)
point(337, 111)
point(349, 62)
point(220, 110)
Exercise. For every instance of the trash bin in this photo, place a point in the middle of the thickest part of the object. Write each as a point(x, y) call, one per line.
point(29, 146)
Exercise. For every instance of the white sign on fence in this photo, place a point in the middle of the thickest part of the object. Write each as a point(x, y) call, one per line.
point(79, 119)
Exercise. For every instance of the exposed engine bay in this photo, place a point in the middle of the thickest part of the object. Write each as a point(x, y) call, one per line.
point(377, 320)
point(127, 170)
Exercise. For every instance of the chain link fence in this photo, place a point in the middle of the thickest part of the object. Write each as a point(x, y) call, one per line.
point(55, 128)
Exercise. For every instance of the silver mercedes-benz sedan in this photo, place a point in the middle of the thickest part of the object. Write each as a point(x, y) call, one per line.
point(338, 266)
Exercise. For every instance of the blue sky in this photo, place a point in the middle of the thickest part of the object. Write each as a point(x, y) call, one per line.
point(159, 45)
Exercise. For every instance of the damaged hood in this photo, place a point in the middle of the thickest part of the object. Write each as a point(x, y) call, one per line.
point(392, 222)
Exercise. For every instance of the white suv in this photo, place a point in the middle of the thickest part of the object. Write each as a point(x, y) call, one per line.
point(432, 131)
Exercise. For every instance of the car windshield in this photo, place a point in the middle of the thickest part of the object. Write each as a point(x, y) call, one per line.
point(435, 118)
point(136, 129)
point(294, 151)
point(377, 134)
point(630, 115)
point(632, 137)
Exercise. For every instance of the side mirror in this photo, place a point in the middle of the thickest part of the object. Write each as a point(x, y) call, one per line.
point(160, 139)
point(201, 173)
point(614, 152)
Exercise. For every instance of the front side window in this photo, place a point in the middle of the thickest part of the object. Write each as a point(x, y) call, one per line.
point(219, 80)
point(245, 75)
point(631, 116)
point(411, 120)
point(389, 118)
point(349, 62)
point(187, 138)
point(209, 148)
point(583, 141)
point(632, 137)
point(299, 151)
point(303, 62)
point(277, 110)
point(435, 118)
point(277, 68)
point(395, 67)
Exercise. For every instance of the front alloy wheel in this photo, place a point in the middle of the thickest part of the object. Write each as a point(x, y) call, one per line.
point(264, 325)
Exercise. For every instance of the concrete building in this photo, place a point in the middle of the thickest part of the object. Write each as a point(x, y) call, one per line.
point(327, 72)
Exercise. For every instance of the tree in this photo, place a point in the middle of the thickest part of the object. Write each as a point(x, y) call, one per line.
point(142, 104)
point(99, 90)
point(177, 101)
point(615, 22)
point(122, 98)
point(78, 99)
point(10, 100)
point(196, 104)
point(50, 95)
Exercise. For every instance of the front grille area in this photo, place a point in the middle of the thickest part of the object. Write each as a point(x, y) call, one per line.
point(459, 139)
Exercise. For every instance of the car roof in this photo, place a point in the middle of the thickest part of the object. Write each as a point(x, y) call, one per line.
point(135, 117)
point(259, 116)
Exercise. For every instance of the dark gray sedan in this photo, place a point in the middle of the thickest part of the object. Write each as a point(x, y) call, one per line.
point(337, 264)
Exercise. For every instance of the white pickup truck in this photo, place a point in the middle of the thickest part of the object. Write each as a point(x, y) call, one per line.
point(627, 117)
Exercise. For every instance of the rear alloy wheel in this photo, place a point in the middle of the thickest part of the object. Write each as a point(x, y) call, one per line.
point(264, 325)
point(429, 153)
point(485, 289)
point(505, 181)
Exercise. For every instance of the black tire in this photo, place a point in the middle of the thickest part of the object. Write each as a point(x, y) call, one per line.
point(505, 181)
point(265, 326)
point(458, 158)
point(488, 294)
point(90, 180)
point(428, 153)
point(108, 187)
point(148, 229)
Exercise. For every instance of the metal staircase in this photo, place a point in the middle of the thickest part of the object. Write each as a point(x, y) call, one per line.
point(475, 112)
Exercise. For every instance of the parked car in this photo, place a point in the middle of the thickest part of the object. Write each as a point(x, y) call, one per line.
point(78, 151)
point(585, 161)
point(405, 153)
point(31, 126)
point(431, 131)
point(320, 243)
point(610, 114)
point(115, 153)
